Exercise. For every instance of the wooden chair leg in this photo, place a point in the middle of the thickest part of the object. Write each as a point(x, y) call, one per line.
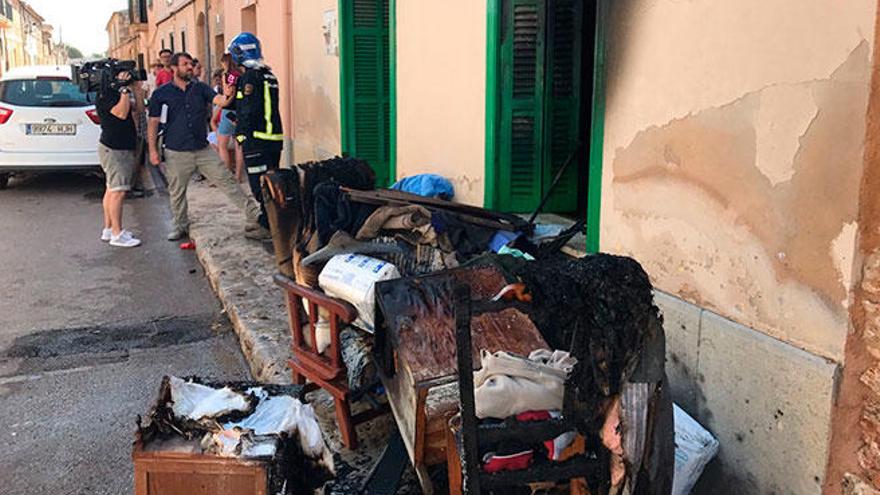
point(346, 426)
point(297, 378)
point(453, 463)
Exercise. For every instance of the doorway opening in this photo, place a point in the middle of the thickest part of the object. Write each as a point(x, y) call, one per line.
point(540, 104)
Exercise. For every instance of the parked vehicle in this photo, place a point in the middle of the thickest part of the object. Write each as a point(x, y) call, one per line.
point(46, 122)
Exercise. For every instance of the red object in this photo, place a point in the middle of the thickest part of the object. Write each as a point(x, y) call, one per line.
point(514, 462)
point(164, 76)
point(93, 115)
point(533, 416)
point(232, 77)
point(187, 245)
point(5, 113)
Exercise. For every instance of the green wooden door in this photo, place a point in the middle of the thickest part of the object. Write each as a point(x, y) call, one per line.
point(539, 102)
point(366, 83)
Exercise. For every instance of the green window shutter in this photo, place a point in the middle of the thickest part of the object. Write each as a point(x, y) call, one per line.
point(522, 94)
point(562, 107)
point(539, 98)
point(365, 117)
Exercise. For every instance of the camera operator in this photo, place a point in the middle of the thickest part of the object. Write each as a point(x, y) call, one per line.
point(116, 151)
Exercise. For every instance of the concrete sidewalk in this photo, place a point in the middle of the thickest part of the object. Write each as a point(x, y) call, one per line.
point(240, 272)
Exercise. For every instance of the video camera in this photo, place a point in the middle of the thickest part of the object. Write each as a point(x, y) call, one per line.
point(101, 75)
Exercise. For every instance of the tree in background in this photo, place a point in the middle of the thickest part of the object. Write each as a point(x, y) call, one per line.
point(73, 52)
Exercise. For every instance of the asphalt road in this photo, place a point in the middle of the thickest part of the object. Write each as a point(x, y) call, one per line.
point(87, 331)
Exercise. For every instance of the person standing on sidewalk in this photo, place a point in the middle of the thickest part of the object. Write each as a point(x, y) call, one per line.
point(166, 73)
point(116, 151)
point(187, 150)
point(258, 126)
point(226, 127)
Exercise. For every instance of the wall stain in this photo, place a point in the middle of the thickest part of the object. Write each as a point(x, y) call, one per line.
point(711, 156)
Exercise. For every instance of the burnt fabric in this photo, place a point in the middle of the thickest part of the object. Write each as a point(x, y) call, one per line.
point(601, 307)
point(357, 347)
point(348, 172)
point(334, 212)
point(466, 238)
point(410, 218)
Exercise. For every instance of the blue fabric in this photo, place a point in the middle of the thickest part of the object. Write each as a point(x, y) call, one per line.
point(431, 185)
point(187, 127)
point(501, 239)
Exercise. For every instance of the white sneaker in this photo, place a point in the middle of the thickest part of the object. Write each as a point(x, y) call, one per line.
point(124, 239)
point(106, 234)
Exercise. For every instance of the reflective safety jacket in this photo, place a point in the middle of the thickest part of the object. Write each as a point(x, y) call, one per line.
point(256, 107)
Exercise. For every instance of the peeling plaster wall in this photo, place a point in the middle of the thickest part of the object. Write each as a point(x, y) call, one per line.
point(441, 93)
point(316, 103)
point(734, 139)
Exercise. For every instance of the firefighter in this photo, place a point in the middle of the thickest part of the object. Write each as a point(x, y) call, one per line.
point(258, 122)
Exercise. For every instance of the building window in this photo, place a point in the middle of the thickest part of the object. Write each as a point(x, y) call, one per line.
point(183, 41)
point(171, 40)
point(249, 19)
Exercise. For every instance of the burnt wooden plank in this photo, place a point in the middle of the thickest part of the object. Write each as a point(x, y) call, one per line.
point(401, 392)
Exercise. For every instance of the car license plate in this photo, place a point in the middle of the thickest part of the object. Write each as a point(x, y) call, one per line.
point(51, 129)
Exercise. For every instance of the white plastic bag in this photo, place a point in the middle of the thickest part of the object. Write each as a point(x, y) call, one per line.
point(694, 448)
point(196, 401)
point(352, 278)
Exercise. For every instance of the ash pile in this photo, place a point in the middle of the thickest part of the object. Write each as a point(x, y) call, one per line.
point(241, 420)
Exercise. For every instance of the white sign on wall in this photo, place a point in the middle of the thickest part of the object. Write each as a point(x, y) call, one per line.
point(331, 33)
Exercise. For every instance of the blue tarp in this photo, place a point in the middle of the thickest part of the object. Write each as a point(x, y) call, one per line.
point(431, 185)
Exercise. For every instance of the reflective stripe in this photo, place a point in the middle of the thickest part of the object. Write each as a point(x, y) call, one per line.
point(239, 95)
point(267, 107)
point(268, 137)
point(240, 138)
point(257, 170)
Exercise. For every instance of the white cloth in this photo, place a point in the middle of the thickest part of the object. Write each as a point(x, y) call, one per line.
point(507, 384)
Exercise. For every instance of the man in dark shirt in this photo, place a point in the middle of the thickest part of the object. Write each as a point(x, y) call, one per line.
point(116, 153)
point(186, 146)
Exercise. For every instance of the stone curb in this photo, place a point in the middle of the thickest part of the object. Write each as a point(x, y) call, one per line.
point(240, 272)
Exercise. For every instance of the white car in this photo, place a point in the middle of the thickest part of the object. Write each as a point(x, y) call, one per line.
point(46, 122)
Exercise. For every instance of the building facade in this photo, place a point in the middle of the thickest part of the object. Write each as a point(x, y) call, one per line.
point(25, 38)
point(127, 34)
point(192, 26)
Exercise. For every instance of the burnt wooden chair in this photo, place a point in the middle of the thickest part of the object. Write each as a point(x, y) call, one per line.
point(323, 370)
point(467, 442)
